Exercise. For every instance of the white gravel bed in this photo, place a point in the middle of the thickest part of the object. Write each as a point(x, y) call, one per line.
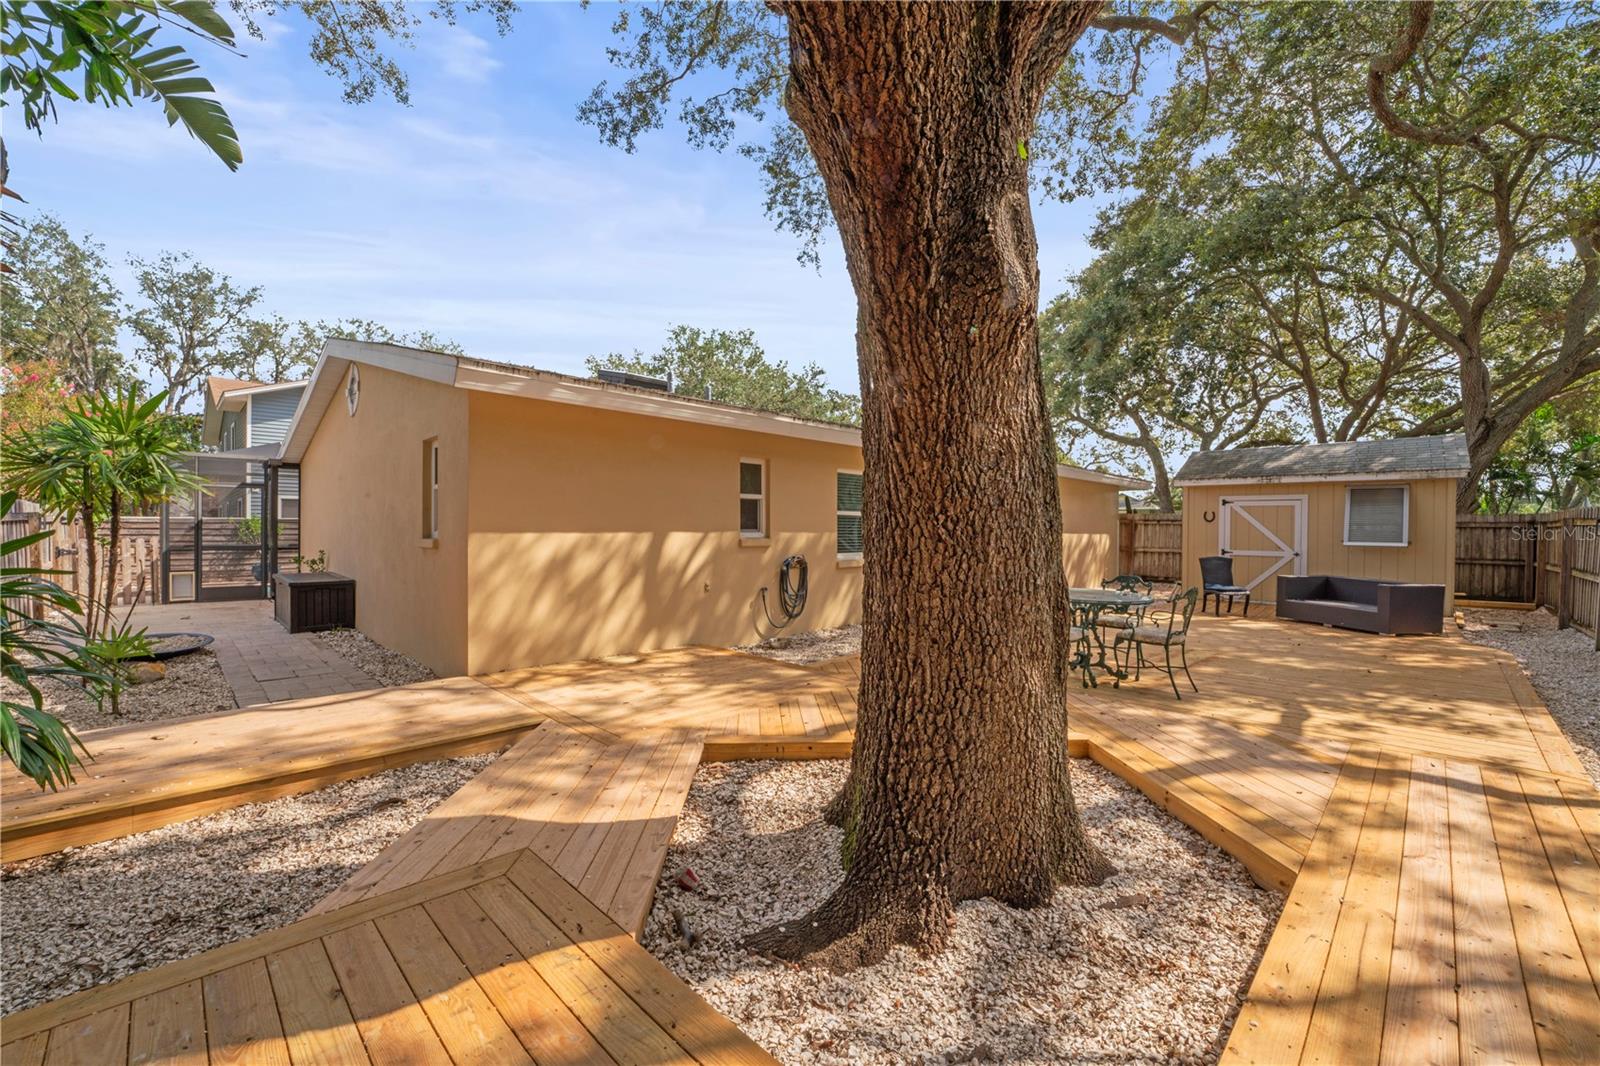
point(1562, 664)
point(383, 665)
point(1148, 967)
point(193, 685)
point(805, 648)
point(90, 915)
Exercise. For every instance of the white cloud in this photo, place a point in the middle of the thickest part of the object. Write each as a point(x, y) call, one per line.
point(462, 55)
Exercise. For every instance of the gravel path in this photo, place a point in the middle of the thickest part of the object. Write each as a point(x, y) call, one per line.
point(379, 663)
point(90, 915)
point(1561, 663)
point(194, 685)
point(1148, 967)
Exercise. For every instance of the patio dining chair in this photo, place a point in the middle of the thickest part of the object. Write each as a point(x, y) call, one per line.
point(1216, 578)
point(1167, 631)
point(1124, 617)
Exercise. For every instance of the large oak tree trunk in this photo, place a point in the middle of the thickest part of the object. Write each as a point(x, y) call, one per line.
point(918, 116)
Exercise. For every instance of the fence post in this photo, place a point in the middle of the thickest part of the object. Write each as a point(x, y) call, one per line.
point(1565, 590)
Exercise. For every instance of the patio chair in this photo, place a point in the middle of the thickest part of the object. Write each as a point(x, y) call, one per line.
point(1166, 632)
point(1124, 617)
point(1216, 578)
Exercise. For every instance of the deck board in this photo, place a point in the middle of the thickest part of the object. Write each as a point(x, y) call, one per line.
point(151, 774)
point(603, 816)
point(473, 967)
point(1457, 926)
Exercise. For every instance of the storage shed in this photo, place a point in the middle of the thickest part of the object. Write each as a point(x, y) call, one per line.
point(1370, 509)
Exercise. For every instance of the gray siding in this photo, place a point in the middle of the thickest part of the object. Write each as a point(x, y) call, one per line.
point(270, 415)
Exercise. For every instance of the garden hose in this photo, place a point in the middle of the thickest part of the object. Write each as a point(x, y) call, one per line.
point(794, 583)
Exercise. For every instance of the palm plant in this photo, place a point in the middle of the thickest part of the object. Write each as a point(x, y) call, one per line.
point(53, 644)
point(113, 46)
point(104, 457)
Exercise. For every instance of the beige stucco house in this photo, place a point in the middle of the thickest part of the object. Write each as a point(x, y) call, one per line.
point(1369, 509)
point(497, 516)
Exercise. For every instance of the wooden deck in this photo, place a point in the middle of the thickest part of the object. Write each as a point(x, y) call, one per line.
point(601, 815)
point(1446, 912)
point(747, 707)
point(499, 962)
point(144, 776)
point(1439, 841)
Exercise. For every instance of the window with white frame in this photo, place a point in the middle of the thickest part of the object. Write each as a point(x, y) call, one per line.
point(430, 488)
point(1377, 516)
point(288, 507)
point(752, 498)
point(847, 513)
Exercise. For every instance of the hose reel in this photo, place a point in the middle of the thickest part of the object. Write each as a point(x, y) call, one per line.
point(793, 585)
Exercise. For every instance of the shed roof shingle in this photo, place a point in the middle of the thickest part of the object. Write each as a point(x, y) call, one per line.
point(1442, 456)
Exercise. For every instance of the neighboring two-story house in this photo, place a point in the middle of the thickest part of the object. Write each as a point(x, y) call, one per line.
point(253, 417)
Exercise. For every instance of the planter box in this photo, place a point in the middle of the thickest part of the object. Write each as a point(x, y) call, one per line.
point(308, 602)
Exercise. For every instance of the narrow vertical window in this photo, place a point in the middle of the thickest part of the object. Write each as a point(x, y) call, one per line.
point(847, 508)
point(752, 498)
point(430, 488)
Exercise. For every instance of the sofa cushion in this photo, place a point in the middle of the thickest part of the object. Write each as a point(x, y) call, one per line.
point(1343, 605)
point(1352, 590)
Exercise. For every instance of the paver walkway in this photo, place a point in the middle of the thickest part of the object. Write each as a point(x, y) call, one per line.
point(262, 662)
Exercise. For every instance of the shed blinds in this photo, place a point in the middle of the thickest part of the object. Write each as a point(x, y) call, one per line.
point(1376, 515)
point(848, 509)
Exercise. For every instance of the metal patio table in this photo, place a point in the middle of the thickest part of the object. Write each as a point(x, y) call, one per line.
point(1087, 606)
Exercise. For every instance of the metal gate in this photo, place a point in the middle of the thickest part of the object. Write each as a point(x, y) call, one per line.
point(227, 540)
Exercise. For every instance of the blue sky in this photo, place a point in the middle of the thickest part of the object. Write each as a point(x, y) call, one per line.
point(485, 212)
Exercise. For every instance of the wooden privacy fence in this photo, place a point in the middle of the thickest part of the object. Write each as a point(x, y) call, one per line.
point(1151, 545)
point(1549, 560)
point(66, 550)
point(1568, 568)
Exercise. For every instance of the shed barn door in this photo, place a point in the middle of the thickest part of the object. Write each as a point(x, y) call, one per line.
point(1264, 536)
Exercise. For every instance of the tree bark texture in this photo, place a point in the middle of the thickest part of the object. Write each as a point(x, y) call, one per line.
point(918, 116)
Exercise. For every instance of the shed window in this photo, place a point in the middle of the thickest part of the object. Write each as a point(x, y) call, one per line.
point(1378, 516)
point(430, 488)
point(752, 498)
point(847, 509)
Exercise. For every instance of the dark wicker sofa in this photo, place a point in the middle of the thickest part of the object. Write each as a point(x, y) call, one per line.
point(1358, 603)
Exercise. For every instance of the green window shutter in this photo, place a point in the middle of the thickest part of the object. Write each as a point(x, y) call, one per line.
point(848, 513)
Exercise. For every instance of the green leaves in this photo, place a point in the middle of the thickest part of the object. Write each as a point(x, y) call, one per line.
point(110, 47)
point(732, 365)
point(53, 645)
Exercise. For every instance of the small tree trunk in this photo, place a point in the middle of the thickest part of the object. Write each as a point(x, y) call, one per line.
point(113, 558)
point(918, 116)
point(91, 587)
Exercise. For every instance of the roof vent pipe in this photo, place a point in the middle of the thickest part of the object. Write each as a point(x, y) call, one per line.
point(708, 390)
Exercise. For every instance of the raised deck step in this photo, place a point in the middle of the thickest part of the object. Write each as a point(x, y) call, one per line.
point(502, 961)
point(601, 815)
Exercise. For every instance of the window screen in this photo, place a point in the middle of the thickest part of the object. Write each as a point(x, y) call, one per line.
point(1376, 515)
point(752, 498)
point(848, 508)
